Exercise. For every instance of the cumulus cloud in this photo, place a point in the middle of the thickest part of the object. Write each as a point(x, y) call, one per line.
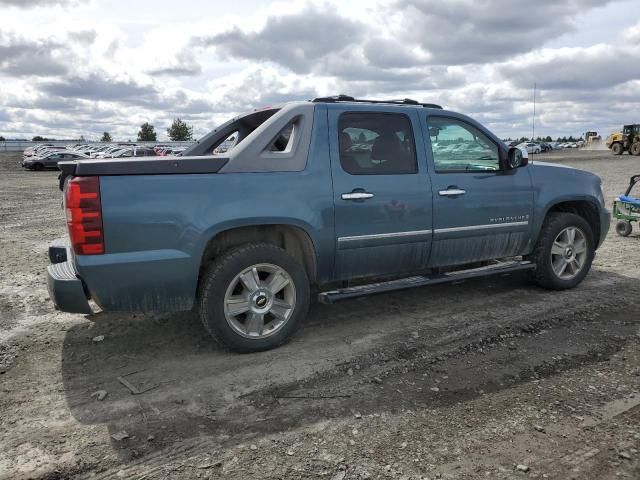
point(21, 57)
point(478, 31)
point(295, 41)
point(480, 57)
point(98, 86)
point(86, 37)
point(37, 3)
point(597, 67)
point(184, 64)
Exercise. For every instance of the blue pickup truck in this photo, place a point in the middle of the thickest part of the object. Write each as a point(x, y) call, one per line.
point(338, 196)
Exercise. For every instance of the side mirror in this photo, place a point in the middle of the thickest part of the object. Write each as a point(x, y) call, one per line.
point(517, 158)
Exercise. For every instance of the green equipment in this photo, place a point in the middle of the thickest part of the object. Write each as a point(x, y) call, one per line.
point(627, 209)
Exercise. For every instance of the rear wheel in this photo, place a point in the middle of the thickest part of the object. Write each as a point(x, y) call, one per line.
point(617, 148)
point(635, 148)
point(564, 251)
point(253, 297)
point(623, 228)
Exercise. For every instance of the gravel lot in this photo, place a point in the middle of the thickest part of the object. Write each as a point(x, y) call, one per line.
point(491, 378)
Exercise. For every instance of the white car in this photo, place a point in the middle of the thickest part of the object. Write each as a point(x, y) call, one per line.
point(530, 147)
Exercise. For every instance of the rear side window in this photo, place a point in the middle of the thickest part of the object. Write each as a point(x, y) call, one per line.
point(376, 144)
point(284, 140)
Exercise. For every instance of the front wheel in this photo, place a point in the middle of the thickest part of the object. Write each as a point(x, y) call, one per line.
point(564, 251)
point(253, 297)
point(617, 148)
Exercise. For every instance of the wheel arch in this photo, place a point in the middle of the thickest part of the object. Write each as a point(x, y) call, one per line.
point(584, 208)
point(294, 239)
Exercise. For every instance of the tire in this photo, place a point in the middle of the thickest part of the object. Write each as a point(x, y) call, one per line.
point(554, 229)
point(623, 228)
point(221, 281)
point(617, 148)
point(38, 167)
point(635, 148)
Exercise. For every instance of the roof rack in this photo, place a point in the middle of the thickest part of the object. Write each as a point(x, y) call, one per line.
point(347, 98)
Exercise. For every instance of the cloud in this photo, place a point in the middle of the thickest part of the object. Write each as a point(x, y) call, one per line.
point(479, 57)
point(99, 86)
point(383, 53)
point(37, 3)
point(592, 68)
point(295, 41)
point(21, 57)
point(86, 37)
point(459, 32)
point(185, 64)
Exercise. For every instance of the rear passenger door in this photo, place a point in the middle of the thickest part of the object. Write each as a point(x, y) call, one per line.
point(382, 193)
point(481, 210)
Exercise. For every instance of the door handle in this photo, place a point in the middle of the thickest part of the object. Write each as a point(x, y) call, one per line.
point(357, 195)
point(451, 191)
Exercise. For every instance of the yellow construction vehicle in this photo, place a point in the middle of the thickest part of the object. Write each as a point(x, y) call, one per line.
point(626, 141)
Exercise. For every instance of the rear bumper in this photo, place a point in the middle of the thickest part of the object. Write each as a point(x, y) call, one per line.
point(64, 284)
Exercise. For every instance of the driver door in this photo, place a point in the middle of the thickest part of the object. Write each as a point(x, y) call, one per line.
point(481, 210)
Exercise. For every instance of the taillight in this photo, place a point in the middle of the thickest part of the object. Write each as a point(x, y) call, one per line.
point(84, 215)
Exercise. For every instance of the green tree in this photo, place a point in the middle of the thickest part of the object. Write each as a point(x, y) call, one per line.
point(106, 137)
point(147, 133)
point(2, 139)
point(548, 139)
point(180, 131)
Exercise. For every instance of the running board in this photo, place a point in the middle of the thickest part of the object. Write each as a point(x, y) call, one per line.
point(333, 296)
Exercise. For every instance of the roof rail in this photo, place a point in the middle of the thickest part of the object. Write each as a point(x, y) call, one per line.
point(347, 98)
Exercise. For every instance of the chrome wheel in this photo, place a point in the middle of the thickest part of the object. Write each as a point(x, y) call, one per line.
point(259, 301)
point(569, 253)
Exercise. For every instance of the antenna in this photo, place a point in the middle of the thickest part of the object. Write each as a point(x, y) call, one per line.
point(533, 121)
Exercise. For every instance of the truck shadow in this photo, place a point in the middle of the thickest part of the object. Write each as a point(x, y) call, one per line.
point(167, 383)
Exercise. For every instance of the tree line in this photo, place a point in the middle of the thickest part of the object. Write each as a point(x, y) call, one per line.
point(179, 131)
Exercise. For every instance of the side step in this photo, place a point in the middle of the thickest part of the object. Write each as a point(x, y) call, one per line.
point(333, 296)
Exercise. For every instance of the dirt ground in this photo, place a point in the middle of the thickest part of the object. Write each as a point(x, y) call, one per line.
point(492, 378)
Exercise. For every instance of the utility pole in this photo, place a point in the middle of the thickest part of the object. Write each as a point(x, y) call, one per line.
point(533, 122)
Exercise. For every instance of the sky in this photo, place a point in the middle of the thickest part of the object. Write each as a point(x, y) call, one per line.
point(83, 67)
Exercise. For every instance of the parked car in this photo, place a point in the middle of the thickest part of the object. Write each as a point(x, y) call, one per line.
point(555, 146)
point(244, 236)
point(545, 147)
point(41, 149)
point(106, 152)
point(530, 147)
point(571, 145)
point(51, 159)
